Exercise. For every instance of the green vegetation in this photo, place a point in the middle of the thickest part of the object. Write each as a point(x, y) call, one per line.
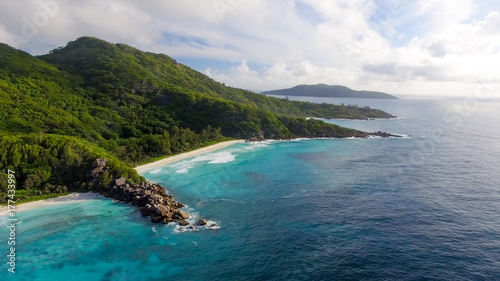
point(93, 99)
point(54, 164)
point(334, 91)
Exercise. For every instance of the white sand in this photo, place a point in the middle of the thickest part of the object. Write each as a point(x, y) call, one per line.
point(186, 155)
point(71, 198)
point(74, 197)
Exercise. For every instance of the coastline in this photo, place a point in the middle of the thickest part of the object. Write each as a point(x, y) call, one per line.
point(75, 197)
point(186, 155)
point(67, 199)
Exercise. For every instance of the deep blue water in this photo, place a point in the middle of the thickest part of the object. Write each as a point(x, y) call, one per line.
point(422, 207)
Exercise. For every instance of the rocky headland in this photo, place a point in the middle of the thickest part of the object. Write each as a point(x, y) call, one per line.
point(151, 199)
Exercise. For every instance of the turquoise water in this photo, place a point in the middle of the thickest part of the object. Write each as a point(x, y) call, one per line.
point(422, 207)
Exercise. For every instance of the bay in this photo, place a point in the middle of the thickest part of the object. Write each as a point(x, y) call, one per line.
point(425, 206)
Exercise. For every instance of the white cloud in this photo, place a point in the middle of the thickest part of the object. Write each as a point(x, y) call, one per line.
point(298, 41)
point(282, 75)
point(442, 12)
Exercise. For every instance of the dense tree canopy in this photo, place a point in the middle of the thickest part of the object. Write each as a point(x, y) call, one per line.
point(93, 99)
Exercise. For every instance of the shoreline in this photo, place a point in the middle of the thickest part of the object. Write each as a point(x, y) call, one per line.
point(76, 197)
point(67, 199)
point(186, 155)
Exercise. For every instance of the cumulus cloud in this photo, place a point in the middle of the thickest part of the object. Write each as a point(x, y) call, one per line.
point(281, 75)
point(371, 44)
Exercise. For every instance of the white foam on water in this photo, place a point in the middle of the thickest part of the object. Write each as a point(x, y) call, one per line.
point(186, 164)
point(3, 221)
point(222, 157)
point(402, 136)
point(182, 167)
point(182, 171)
point(300, 139)
point(216, 157)
point(157, 171)
point(193, 219)
point(212, 225)
point(189, 228)
point(260, 144)
point(255, 146)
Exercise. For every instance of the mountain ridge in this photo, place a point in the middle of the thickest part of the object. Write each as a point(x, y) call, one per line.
point(94, 99)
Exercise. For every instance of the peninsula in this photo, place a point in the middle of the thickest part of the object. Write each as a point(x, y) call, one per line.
point(81, 117)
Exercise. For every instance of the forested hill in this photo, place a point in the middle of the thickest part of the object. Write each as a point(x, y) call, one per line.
point(109, 67)
point(91, 99)
point(334, 91)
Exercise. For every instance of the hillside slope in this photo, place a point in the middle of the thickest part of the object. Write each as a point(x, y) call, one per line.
point(109, 67)
point(93, 99)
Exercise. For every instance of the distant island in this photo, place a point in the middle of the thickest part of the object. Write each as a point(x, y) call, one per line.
point(327, 91)
point(79, 119)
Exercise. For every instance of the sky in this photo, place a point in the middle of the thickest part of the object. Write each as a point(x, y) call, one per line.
point(406, 48)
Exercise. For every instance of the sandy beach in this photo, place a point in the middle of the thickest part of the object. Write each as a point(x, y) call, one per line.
point(186, 155)
point(74, 197)
point(71, 198)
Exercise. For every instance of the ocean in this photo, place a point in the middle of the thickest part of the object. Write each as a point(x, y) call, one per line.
point(425, 206)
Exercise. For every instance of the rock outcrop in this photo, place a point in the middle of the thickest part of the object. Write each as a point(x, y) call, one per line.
point(98, 168)
point(383, 135)
point(183, 215)
point(151, 199)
